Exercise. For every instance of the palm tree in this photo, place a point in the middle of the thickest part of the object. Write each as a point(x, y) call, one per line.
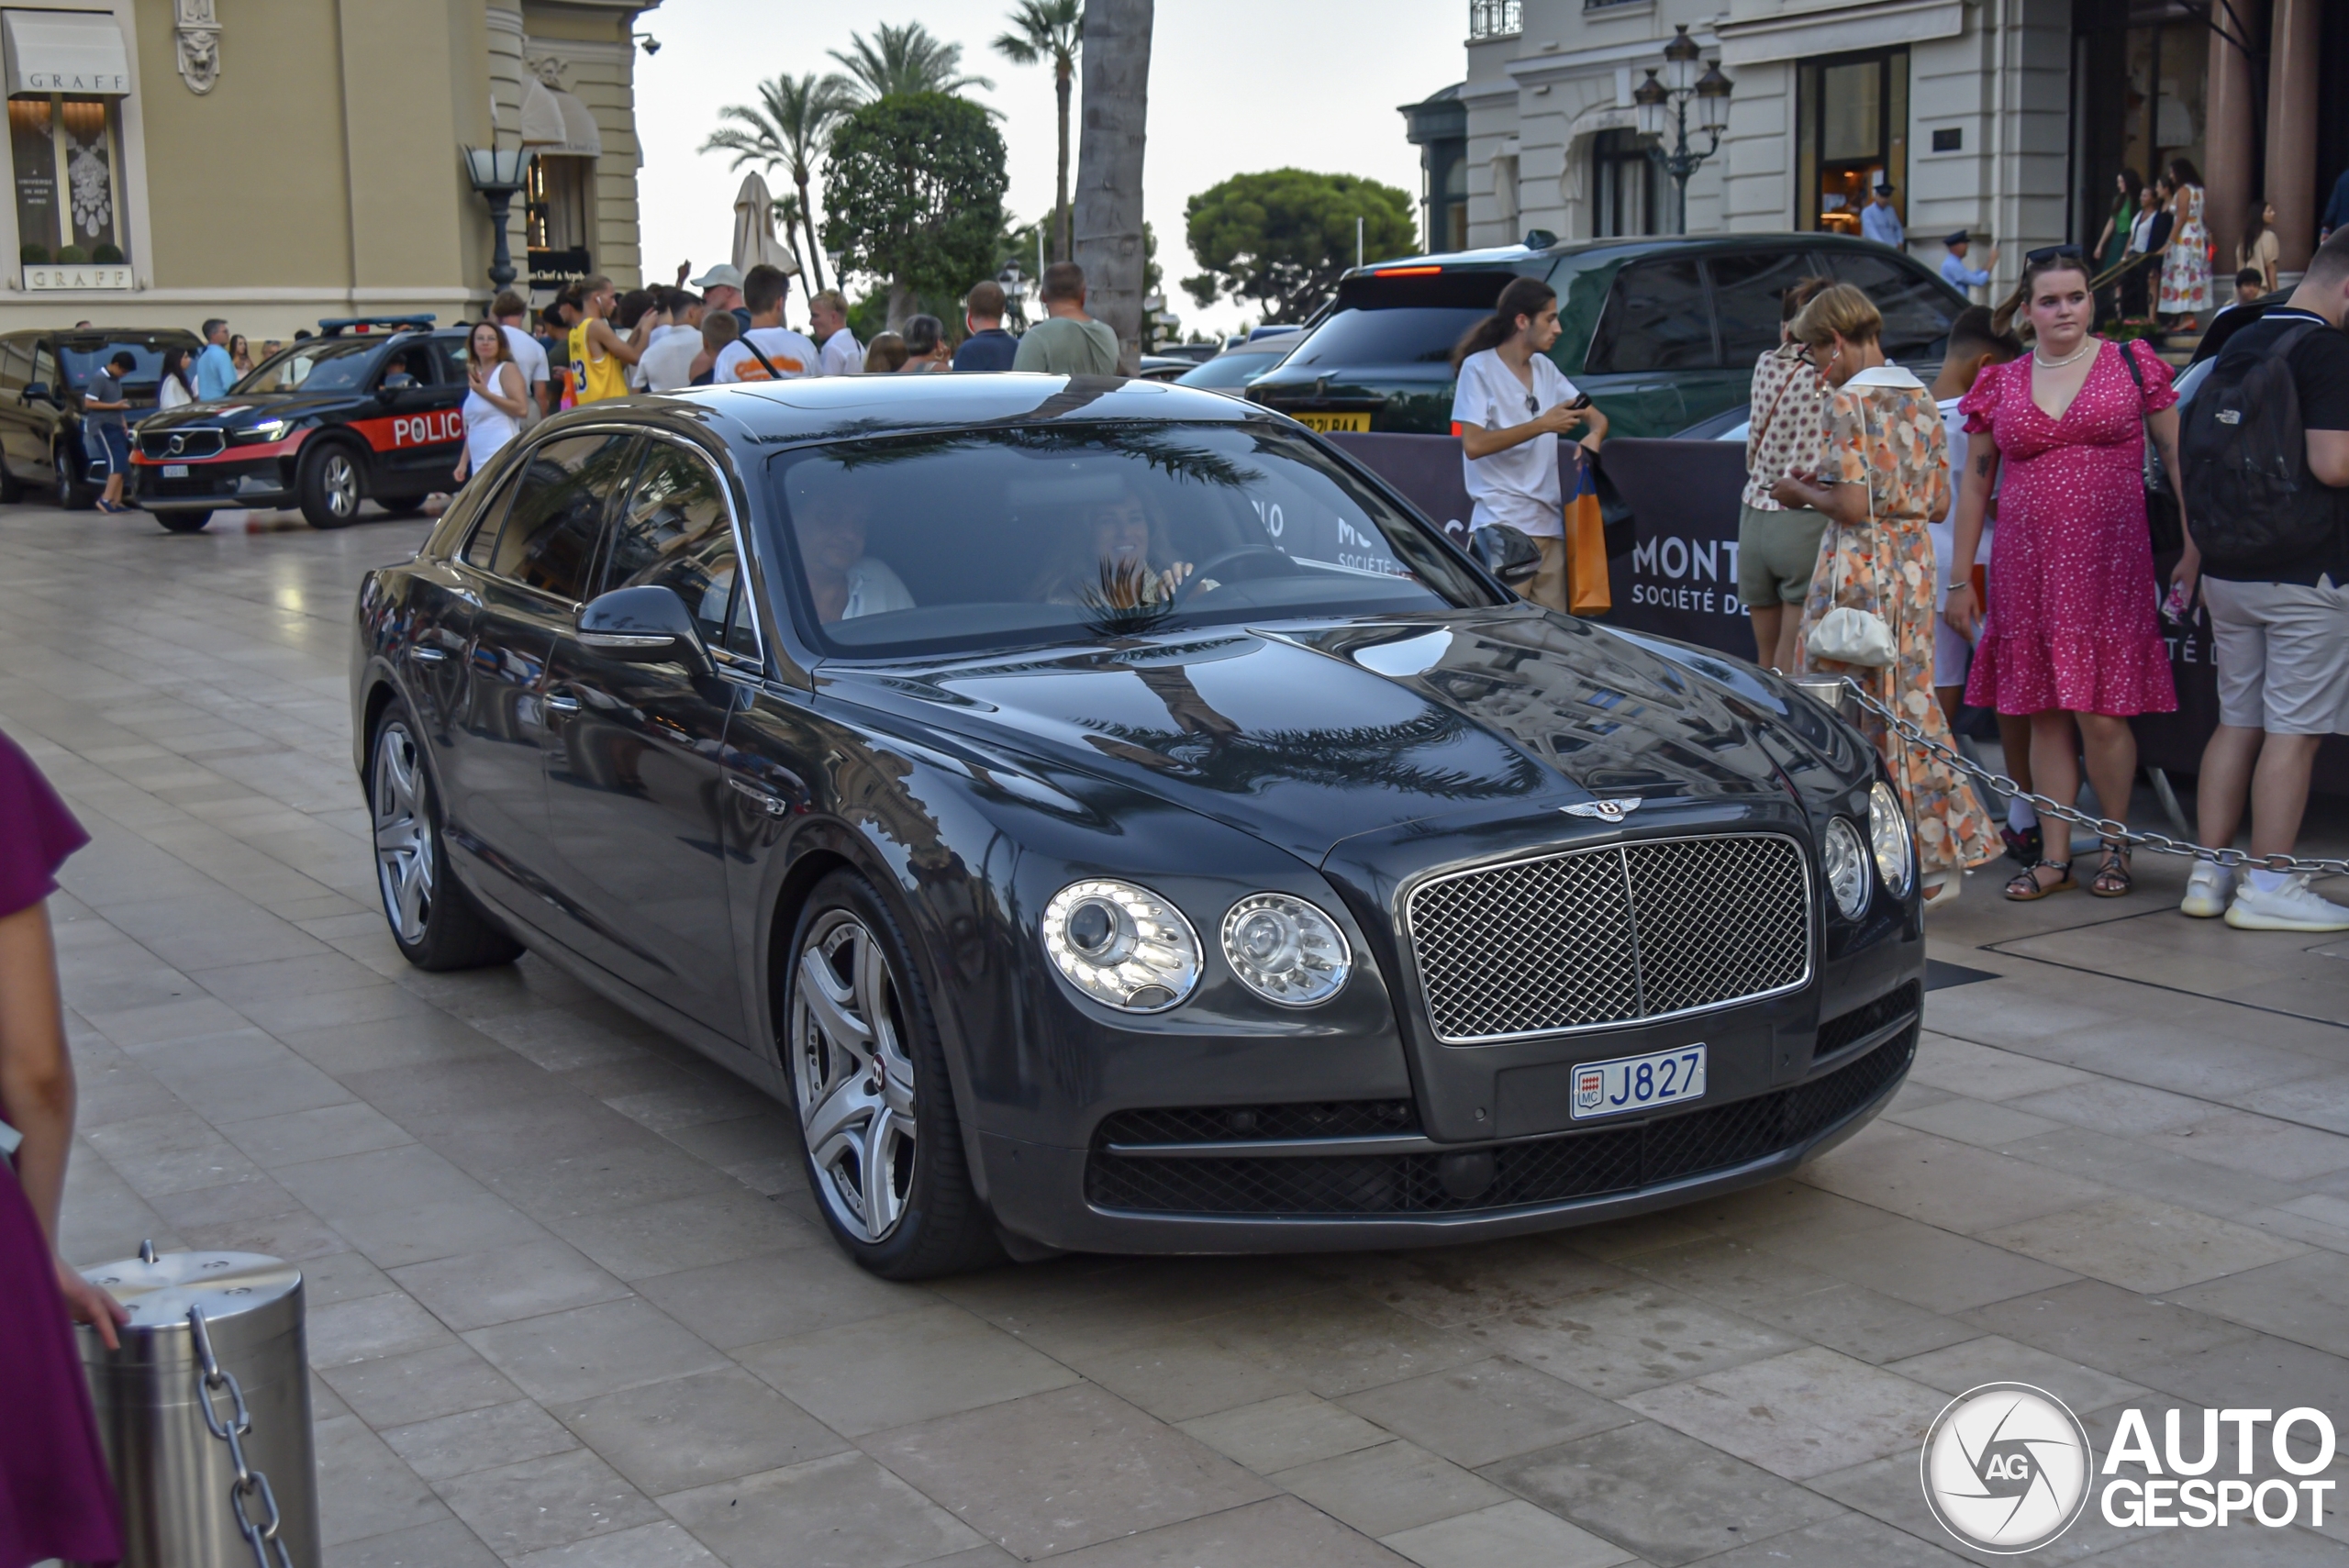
point(1054, 31)
point(1109, 164)
point(786, 130)
point(901, 60)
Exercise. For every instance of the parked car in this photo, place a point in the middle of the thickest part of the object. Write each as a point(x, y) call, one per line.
point(1198, 353)
point(1324, 895)
point(1164, 367)
point(1234, 368)
point(325, 425)
point(43, 374)
point(1661, 332)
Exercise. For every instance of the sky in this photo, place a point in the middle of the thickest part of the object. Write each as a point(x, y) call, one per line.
point(1236, 86)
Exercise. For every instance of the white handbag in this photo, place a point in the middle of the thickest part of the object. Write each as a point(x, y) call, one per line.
point(1844, 634)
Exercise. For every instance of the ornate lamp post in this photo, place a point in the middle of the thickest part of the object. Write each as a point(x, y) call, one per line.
point(497, 172)
point(1664, 105)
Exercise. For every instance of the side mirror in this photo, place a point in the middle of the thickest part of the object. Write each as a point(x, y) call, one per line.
point(646, 625)
point(36, 391)
point(387, 394)
point(1508, 553)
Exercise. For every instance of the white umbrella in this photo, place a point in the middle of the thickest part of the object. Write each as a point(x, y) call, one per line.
point(754, 239)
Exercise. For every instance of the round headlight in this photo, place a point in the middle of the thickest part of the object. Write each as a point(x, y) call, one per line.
point(1286, 950)
point(1895, 856)
point(1122, 945)
point(1846, 863)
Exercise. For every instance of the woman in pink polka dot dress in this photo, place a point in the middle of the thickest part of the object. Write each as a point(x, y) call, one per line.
point(2071, 637)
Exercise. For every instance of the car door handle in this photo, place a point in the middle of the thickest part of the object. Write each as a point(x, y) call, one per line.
point(773, 805)
point(557, 703)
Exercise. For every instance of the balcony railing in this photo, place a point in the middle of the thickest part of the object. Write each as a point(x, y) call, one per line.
point(1495, 18)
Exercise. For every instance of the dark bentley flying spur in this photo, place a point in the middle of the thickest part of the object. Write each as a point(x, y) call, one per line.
point(1115, 820)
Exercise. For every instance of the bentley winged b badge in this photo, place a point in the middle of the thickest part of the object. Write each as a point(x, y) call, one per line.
point(1605, 810)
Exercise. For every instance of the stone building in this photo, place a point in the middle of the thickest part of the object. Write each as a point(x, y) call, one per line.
point(2007, 117)
point(274, 162)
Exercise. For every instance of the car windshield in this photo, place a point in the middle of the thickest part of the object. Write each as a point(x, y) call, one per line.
point(1236, 369)
point(1410, 335)
point(329, 364)
point(1074, 533)
point(83, 361)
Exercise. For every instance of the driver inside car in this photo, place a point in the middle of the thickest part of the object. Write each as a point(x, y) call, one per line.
point(844, 581)
point(1116, 564)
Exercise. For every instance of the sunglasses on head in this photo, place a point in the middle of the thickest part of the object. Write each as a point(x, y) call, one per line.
point(2054, 253)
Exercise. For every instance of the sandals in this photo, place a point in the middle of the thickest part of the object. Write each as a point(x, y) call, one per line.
point(2112, 879)
point(2027, 888)
point(1941, 887)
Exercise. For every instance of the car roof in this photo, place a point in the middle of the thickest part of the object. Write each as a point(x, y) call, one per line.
point(1627, 247)
point(77, 336)
point(815, 408)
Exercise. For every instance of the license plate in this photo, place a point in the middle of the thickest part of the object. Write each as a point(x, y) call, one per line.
point(1334, 421)
point(1639, 1082)
point(175, 471)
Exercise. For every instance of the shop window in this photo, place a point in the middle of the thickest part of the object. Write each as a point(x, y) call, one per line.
point(1852, 130)
point(2168, 74)
point(559, 208)
point(69, 179)
point(1623, 185)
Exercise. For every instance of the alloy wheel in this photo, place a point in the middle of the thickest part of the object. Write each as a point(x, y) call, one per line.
point(404, 860)
point(339, 478)
point(854, 1078)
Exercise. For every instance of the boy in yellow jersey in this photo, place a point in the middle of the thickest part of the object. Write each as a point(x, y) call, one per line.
point(600, 356)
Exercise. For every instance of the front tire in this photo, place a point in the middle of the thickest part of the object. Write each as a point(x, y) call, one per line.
point(436, 922)
point(68, 492)
point(12, 489)
point(182, 522)
point(331, 485)
point(882, 1149)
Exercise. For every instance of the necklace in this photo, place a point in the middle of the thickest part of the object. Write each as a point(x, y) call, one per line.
point(2071, 358)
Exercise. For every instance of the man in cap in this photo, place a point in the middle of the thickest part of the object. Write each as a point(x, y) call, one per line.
point(721, 289)
point(1956, 273)
point(1879, 222)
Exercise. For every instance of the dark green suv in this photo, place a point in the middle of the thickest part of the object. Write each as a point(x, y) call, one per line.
point(1661, 332)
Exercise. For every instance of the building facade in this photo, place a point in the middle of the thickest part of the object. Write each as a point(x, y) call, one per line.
point(2008, 118)
point(275, 161)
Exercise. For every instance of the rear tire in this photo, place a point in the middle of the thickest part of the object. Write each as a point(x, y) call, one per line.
point(401, 505)
point(68, 492)
point(330, 484)
point(182, 522)
point(883, 1150)
point(434, 920)
point(12, 489)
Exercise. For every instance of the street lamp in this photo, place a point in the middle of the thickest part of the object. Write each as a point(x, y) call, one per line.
point(497, 172)
point(1664, 107)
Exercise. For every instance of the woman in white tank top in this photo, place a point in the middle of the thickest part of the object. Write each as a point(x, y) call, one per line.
point(494, 397)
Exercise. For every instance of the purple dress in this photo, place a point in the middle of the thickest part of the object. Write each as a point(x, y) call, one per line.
point(55, 1497)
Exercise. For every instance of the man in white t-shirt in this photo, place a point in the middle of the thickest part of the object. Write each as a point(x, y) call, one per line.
point(828, 325)
point(668, 362)
point(511, 312)
point(1509, 404)
point(781, 353)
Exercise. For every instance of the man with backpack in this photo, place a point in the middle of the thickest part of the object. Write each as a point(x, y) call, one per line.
point(2265, 449)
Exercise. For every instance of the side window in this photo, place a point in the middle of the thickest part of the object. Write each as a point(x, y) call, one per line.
point(45, 368)
point(557, 515)
point(1656, 319)
point(1747, 290)
point(675, 531)
point(1917, 312)
point(14, 367)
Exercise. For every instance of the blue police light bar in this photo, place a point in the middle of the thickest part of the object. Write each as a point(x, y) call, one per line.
point(335, 326)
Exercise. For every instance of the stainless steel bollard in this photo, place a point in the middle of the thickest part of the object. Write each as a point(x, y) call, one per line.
point(175, 1475)
point(1831, 691)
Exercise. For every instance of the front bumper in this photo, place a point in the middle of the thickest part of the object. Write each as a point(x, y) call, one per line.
point(259, 476)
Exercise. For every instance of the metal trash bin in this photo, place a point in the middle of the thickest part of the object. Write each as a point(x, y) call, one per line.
point(175, 1468)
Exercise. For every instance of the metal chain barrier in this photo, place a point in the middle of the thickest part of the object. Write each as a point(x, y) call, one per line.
point(2103, 827)
point(232, 1426)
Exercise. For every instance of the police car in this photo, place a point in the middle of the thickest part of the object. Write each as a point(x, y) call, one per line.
point(372, 408)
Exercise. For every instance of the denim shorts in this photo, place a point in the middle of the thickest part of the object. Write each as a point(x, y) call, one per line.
point(112, 448)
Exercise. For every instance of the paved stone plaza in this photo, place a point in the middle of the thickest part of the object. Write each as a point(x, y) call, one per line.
point(570, 1304)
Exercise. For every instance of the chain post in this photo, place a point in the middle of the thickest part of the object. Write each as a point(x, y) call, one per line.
point(232, 1429)
point(2104, 828)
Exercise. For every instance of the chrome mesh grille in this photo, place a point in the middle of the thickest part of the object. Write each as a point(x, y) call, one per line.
point(1610, 936)
point(191, 443)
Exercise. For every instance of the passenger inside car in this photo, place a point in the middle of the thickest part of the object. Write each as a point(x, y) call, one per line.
point(1118, 560)
point(844, 581)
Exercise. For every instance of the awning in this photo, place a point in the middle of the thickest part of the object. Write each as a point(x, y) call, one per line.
point(554, 121)
point(76, 52)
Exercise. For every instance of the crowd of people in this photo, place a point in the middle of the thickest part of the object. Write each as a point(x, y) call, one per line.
point(1995, 526)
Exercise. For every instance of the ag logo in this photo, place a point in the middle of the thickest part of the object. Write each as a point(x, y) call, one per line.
point(2006, 1468)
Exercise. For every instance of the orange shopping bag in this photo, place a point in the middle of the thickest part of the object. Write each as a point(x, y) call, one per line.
point(1588, 593)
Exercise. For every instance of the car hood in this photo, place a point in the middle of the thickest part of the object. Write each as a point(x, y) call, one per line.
point(237, 410)
point(1308, 735)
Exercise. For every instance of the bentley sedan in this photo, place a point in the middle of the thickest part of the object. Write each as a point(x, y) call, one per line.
point(1112, 820)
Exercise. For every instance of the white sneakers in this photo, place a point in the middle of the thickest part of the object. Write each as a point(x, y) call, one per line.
point(2291, 908)
point(2208, 888)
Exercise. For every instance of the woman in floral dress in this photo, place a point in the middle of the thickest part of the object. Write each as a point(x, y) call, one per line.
point(2071, 637)
point(2186, 267)
point(1886, 475)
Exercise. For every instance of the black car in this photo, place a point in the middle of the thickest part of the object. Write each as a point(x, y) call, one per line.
point(1661, 332)
point(1115, 820)
point(43, 375)
point(332, 421)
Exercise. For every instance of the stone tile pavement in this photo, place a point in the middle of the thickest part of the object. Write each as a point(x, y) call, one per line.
point(571, 1306)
